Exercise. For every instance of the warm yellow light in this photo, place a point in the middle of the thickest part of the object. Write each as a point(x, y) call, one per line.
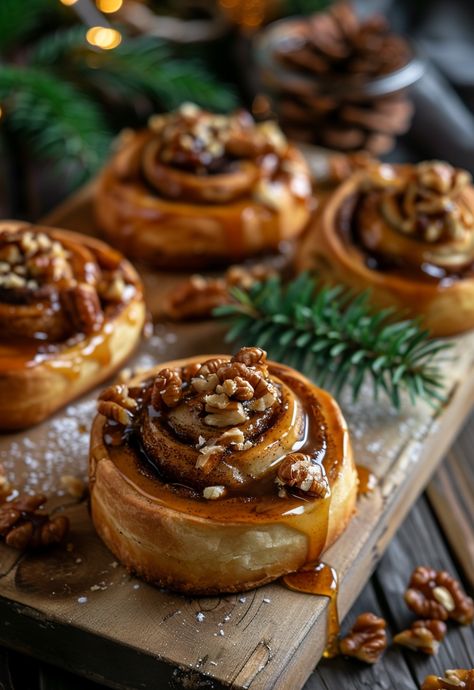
point(68, 2)
point(103, 37)
point(1, 112)
point(109, 6)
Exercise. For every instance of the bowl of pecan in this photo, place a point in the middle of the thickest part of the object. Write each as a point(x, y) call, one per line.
point(337, 80)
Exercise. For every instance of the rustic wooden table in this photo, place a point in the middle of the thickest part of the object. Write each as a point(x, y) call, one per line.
point(439, 532)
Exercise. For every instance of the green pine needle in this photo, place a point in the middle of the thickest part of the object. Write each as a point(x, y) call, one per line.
point(55, 118)
point(337, 339)
point(139, 66)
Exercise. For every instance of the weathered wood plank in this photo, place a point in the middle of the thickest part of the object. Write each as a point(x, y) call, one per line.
point(272, 637)
point(451, 495)
point(420, 543)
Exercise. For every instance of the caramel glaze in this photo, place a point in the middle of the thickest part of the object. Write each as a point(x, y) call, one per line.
point(19, 353)
point(320, 579)
point(367, 480)
point(348, 225)
point(322, 437)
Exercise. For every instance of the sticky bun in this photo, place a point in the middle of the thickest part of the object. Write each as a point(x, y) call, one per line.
point(220, 474)
point(71, 311)
point(196, 189)
point(407, 233)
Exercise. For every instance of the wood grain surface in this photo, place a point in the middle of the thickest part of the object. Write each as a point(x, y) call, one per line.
point(79, 598)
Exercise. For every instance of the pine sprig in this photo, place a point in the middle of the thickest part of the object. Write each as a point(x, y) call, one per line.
point(337, 339)
point(55, 118)
point(139, 66)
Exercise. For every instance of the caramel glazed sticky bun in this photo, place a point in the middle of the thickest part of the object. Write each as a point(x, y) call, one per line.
point(407, 233)
point(219, 475)
point(71, 311)
point(196, 189)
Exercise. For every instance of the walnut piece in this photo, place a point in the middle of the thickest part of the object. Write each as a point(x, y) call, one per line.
point(429, 206)
point(195, 298)
point(297, 470)
point(423, 635)
point(116, 404)
point(214, 492)
point(453, 678)
point(367, 639)
point(436, 594)
point(74, 486)
point(167, 388)
point(23, 525)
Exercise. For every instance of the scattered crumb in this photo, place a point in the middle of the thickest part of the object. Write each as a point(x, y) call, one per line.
point(82, 600)
point(266, 600)
point(200, 616)
point(74, 486)
point(136, 586)
point(243, 600)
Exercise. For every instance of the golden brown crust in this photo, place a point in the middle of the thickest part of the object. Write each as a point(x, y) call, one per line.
point(214, 546)
point(446, 305)
point(38, 376)
point(173, 207)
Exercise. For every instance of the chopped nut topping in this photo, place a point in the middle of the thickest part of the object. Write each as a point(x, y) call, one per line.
point(201, 141)
point(367, 639)
point(424, 636)
point(429, 206)
point(23, 525)
point(250, 356)
point(205, 385)
point(225, 413)
point(167, 388)
point(116, 404)
point(436, 594)
point(30, 260)
point(214, 492)
point(298, 471)
point(453, 678)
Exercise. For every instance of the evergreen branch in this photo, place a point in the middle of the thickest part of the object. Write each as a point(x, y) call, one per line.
point(60, 122)
point(336, 339)
point(138, 66)
point(18, 19)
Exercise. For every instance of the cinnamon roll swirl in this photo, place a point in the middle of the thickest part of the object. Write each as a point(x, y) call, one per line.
point(407, 232)
point(71, 311)
point(220, 474)
point(196, 189)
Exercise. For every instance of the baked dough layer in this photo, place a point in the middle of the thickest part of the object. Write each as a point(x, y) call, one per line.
point(446, 307)
point(34, 383)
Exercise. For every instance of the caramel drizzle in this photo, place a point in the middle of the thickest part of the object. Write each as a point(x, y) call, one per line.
point(322, 580)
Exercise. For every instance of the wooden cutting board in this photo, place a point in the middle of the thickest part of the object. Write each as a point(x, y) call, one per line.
point(78, 608)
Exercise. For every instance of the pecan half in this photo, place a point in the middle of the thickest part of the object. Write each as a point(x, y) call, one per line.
point(83, 305)
point(298, 471)
point(453, 678)
point(367, 639)
point(250, 356)
point(436, 594)
point(423, 636)
point(23, 525)
point(167, 388)
point(116, 404)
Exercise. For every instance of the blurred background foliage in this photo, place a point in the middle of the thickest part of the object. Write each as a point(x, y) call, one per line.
point(62, 98)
